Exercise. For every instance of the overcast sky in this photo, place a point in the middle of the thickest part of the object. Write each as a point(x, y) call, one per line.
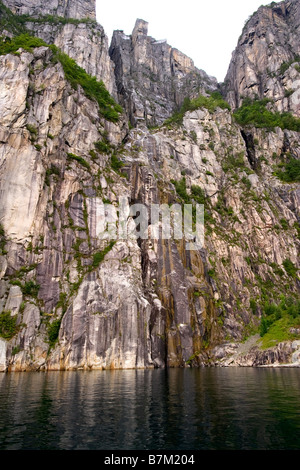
point(205, 30)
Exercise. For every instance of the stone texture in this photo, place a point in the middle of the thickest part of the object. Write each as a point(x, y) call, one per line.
point(78, 9)
point(86, 43)
point(2, 355)
point(141, 303)
point(74, 31)
point(152, 77)
point(269, 40)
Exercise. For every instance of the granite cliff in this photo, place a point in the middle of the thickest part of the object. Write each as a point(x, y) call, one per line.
point(151, 128)
point(152, 77)
point(266, 61)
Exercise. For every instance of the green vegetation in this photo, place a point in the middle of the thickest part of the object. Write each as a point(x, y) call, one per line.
point(16, 23)
point(30, 288)
point(93, 155)
point(180, 187)
point(193, 136)
point(286, 65)
point(198, 194)
point(99, 257)
point(53, 332)
point(56, 20)
point(116, 163)
point(2, 240)
point(255, 113)
point(211, 103)
point(212, 273)
point(62, 303)
point(235, 162)
point(82, 161)
point(93, 89)
point(8, 325)
point(53, 170)
point(193, 357)
point(23, 41)
point(289, 172)
point(277, 320)
point(32, 129)
point(246, 182)
point(9, 21)
point(76, 75)
point(290, 268)
point(253, 306)
point(284, 224)
point(103, 147)
point(15, 350)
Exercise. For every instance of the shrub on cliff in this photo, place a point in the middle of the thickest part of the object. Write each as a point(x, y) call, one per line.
point(77, 76)
point(53, 332)
point(290, 173)
point(211, 103)
point(278, 319)
point(8, 325)
point(256, 113)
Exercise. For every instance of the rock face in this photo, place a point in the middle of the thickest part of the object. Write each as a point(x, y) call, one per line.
point(78, 9)
point(251, 355)
point(71, 299)
point(84, 42)
point(72, 27)
point(153, 78)
point(3, 362)
point(265, 63)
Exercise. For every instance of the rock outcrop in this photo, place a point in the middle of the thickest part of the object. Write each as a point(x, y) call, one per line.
point(265, 63)
point(72, 27)
point(285, 354)
point(152, 77)
point(71, 299)
point(78, 9)
point(84, 42)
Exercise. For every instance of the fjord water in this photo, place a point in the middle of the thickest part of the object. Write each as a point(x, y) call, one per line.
point(154, 409)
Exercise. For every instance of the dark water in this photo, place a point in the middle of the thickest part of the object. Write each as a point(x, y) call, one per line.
point(167, 410)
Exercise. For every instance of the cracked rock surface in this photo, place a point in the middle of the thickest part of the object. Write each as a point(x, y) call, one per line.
point(79, 301)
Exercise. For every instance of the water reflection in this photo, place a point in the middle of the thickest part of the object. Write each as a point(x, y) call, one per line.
point(169, 410)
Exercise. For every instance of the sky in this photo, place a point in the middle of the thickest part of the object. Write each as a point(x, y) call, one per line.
point(205, 30)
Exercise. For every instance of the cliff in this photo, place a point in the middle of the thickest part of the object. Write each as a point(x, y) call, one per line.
point(152, 77)
point(72, 300)
point(78, 9)
point(265, 63)
point(72, 27)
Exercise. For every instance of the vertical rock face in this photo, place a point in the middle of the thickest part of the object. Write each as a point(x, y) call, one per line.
point(84, 41)
point(77, 9)
point(265, 63)
point(153, 78)
point(75, 300)
point(3, 362)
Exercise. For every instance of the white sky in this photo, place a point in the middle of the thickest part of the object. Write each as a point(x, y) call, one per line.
point(205, 30)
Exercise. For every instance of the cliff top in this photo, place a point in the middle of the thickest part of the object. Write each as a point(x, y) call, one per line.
point(78, 9)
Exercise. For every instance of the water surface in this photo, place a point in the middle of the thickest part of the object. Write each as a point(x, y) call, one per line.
point(209, 409)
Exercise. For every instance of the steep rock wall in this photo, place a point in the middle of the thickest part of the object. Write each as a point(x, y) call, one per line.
point(79, 302)
point(72, 27)
point(78, 9)
point(265, 63)
point(152, 77)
